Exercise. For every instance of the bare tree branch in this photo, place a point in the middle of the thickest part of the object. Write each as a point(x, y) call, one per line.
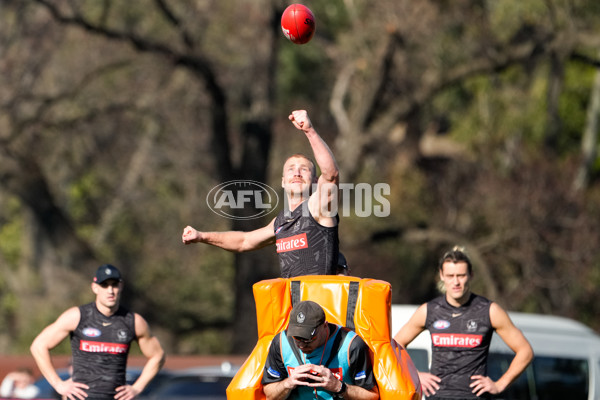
point(196, 64)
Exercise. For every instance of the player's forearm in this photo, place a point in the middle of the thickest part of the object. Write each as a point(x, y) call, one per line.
point(323, 156)
point(44, 363)
point(516, 367)
point(238, 241)
point(153, 365)
point(357, 393)
point(277, 390)
point(230, 240)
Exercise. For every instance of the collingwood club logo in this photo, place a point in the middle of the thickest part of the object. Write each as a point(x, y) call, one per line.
point(300, 318)
point(229, 198)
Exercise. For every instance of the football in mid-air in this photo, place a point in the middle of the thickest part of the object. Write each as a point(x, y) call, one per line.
point(298, 23)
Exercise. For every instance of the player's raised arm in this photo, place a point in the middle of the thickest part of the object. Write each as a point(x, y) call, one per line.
point(322, 199)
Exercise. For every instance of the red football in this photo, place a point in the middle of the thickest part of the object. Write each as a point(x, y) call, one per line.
point(298, 23)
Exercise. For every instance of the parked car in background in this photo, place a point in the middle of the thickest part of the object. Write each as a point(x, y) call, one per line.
point(48, 392)
point(199, 383)
point(163, 375)
point(566, 363)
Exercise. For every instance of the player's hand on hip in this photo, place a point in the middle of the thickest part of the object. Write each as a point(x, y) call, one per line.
point(126, 392)
point(300, 120)
point(429, 383)
point(72, 390)
point(483, 384)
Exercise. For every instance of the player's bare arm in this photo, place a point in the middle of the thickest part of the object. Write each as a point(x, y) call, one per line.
point(279, 390)
point(412, 329)
point(153, 351)
point(48, 339)
point(234, 241)
point(414, 326)
point(514, 338)
point(321, 201)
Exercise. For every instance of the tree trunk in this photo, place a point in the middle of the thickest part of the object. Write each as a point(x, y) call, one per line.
point(589, 140)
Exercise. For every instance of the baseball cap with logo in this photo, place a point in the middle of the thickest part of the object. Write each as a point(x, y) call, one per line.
point(305, 318)
point(106, 272)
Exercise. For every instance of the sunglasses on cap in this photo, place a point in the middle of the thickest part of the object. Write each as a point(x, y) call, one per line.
point(307, 341)
point(304, 341)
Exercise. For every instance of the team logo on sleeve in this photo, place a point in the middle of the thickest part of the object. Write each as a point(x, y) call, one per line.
point(273, 373)
point(360, 375)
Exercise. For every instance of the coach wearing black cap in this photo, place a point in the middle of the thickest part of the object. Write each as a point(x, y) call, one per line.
point(316, 359)
point(101, 333)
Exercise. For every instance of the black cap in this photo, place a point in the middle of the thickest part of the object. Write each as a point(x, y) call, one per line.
point(106, 272)
point(305, 318)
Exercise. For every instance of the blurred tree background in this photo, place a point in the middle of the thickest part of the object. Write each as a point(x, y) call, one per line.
point(117, 118)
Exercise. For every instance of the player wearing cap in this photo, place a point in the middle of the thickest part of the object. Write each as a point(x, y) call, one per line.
point(101, 333)
point(314, 359)
point(306, 231)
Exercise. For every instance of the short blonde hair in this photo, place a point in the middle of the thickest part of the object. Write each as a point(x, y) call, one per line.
point(313, 168)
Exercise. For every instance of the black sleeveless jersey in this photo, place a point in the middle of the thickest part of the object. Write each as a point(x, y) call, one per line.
point(304, 246)
point(460, 339)
point(100, 347)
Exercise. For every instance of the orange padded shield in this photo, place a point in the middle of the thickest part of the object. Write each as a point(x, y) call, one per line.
point(394, 371)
